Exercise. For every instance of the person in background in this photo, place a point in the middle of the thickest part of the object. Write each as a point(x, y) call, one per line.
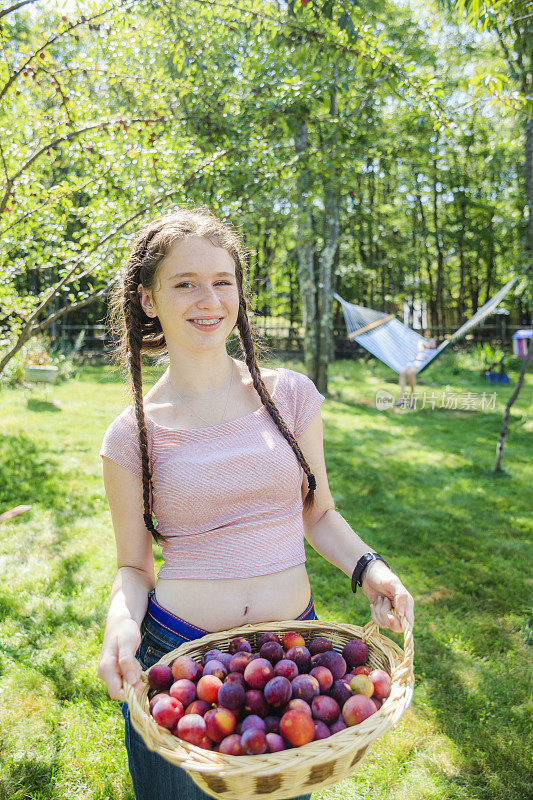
point(425, 349)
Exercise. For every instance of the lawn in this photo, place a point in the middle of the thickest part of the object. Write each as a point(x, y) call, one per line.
point(418, 486)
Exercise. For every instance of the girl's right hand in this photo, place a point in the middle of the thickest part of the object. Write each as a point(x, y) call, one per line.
point(118, 661)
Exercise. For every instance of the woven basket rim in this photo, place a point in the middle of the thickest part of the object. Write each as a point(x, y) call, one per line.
point(197, 759)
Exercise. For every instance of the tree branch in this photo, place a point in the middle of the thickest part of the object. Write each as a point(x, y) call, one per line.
point(67, 138)
point(15, 7)
point(97, 295)
point(510, 62)
point(81, 21)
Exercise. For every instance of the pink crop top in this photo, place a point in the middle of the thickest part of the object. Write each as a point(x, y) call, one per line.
point(228, 496)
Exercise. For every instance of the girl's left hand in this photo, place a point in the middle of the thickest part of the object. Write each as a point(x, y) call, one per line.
point(386, 592)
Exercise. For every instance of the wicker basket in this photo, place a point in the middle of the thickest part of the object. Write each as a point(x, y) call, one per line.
point(298, 770)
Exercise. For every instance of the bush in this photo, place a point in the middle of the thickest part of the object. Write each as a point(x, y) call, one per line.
point(38, 351)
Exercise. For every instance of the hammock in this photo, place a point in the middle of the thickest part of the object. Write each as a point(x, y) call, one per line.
point(393, 342)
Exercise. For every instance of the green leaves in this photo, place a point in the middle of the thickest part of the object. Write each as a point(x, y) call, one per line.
point(327, 9)
point(346, 24)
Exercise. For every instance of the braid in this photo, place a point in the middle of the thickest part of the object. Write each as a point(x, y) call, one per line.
point(262, 391)
point(134, 327)
point(136, 333)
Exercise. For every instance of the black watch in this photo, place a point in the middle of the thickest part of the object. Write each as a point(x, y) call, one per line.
point(363, 562)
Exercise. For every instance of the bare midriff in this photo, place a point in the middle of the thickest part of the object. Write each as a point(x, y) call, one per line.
point(216, 605)
point(219, 604)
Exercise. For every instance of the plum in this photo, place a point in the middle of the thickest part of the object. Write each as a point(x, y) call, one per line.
point(319, 645)
point(254, 741)
point(321, 730)
point(167, 711)
point(215, 667)
point(340, 691)
point(235, 677)
point(297, 728)
point(362, 670)
point(226, 659)
point(219, 723)
point(278, 691)
point(231, 695)
point(338, 725)
point(160, 676)
point(239, 645)
point(361, 684)
point(239, 662)
point(156, 697)
point(214, 653)
point(301, 657)
point(325, 708)
point(324, 678)
point(206, 743)
point(381, 681)
point(255, 703)
point(305, 687)
point(286, 668)
point(357, 708)
point(231, 745)
point(197, 707)
point(272, 651)
point(207, 688)
point(291, 639)
point(298, 705)
point(275, 743)
point(191, 728)
point(272, 723)
point(333, 661)
point(355, 652)
point(253, 721)
point(184, 667)
point(267, 637)
point(184, 691)
point(258, 673)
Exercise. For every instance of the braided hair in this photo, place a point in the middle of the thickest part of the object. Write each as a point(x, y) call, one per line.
point(135, 333)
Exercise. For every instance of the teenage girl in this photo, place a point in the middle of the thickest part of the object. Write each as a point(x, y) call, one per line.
point(228, 457)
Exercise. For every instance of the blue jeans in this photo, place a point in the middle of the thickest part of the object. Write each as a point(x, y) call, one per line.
point(153, 777)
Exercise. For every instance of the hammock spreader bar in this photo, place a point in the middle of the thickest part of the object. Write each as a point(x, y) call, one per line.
point(393, 342)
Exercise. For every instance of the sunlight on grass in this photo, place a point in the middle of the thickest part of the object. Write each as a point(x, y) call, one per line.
point(418, 486)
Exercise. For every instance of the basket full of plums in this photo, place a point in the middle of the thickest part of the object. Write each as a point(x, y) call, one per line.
point(274, 710)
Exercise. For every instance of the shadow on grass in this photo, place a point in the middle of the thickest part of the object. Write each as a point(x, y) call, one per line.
point(31, 473)
point(29, 777)
point(25, 472)
point(45, 625)
point(483, 719)
point(37, 404)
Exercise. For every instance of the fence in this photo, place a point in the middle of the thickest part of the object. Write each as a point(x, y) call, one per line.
point(283, 338)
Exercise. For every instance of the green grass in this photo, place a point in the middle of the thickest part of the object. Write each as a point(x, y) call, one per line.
point(418, 486)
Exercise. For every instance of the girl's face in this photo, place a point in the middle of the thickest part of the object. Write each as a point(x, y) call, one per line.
point(194, 281)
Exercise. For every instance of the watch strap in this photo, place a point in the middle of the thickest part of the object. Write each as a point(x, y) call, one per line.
point(360, 567)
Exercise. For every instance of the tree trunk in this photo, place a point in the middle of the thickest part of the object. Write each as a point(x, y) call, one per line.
point(490, 258)
point(529, 178)
point(529, 170)
point(432, 306)
point(505, 421)
point(438, 245)
point(331, 243)
point(304, 247)
point(462, 230)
